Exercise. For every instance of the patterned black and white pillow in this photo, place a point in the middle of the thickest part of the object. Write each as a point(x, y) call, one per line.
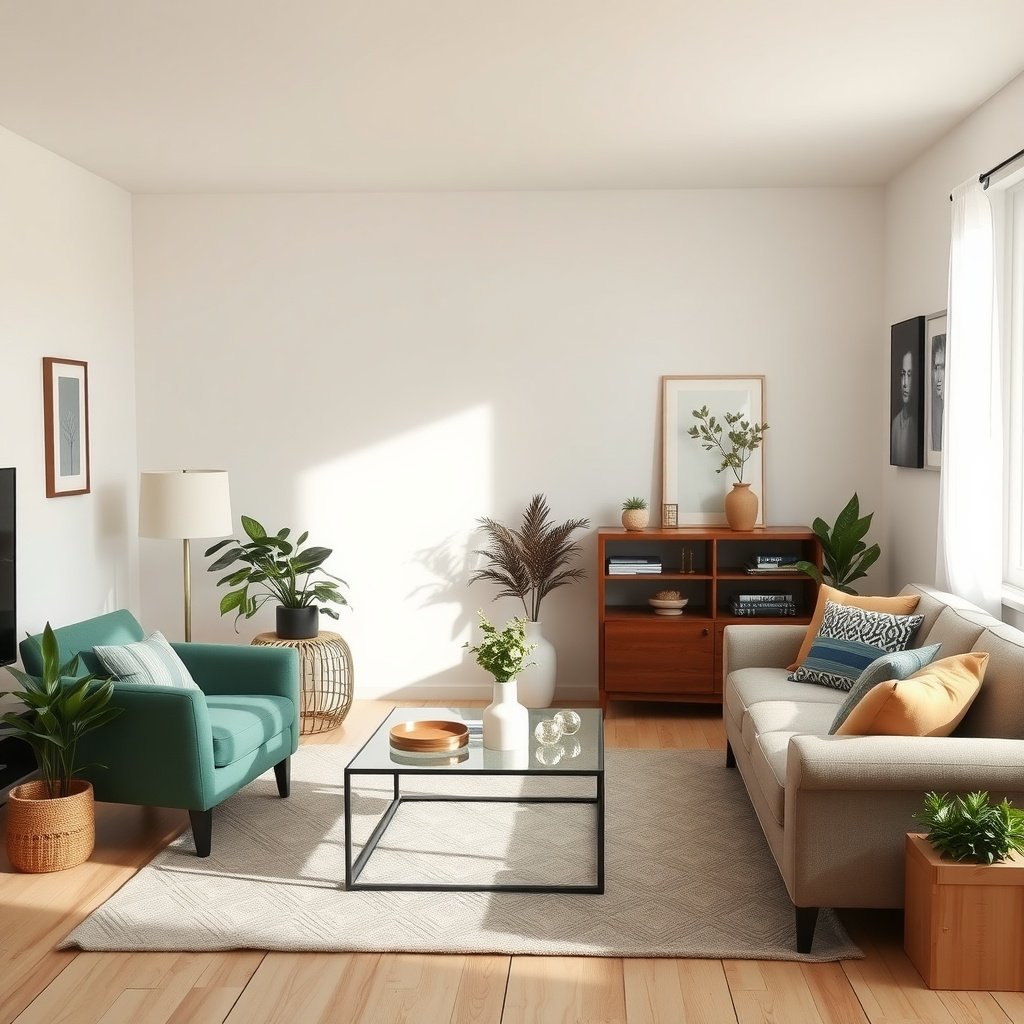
point(849, 640)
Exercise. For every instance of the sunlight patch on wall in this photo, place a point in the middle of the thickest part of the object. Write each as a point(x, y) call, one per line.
point(401, 517)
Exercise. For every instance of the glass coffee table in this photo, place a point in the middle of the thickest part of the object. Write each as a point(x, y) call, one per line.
point(581, 756)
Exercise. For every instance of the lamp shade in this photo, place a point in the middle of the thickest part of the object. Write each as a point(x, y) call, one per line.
point(183, 504)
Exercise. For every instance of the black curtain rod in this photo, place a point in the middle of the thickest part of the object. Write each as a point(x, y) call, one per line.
point(983, 178)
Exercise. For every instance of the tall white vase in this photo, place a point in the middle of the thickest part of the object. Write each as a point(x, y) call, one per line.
point(537, 681)
point(506, 721)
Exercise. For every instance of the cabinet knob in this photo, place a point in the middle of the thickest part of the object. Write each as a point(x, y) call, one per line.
point(704, 631)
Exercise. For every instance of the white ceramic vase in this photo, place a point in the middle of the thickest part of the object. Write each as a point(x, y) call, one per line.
point(537, 680)
point(506, 721)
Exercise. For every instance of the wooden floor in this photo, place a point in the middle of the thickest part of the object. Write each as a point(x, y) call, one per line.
point(41, 986)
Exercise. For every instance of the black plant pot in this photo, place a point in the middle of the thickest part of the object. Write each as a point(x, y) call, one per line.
point(298, 623)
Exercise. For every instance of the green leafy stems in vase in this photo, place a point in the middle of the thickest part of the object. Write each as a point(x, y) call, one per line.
point(502, 652)
point(276, 569)
point(743, 437)
point(970, 828)
point(61, 710)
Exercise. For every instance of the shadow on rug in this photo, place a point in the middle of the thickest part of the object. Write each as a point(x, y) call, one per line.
point(688, 871)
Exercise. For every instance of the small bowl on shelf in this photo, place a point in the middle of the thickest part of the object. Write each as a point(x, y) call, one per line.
point(668, 606)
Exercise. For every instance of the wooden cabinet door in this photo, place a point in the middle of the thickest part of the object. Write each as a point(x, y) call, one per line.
point(659, 655)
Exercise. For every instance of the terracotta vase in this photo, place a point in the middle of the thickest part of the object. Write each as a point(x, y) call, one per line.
point(741, 507)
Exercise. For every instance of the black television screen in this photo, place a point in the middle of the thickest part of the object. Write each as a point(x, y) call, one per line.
point(8, 577)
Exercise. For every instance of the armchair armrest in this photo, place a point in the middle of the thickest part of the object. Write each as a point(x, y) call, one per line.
point(235, 669)
point(158, 751)
point(774, 646)
point(898, 763)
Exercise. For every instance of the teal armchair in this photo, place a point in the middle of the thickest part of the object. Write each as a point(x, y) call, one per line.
point(192, 749)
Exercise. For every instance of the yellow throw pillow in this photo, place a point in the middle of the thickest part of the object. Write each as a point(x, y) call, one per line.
point(904, 605)
point(929, 703)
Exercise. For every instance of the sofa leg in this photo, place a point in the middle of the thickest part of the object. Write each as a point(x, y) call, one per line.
point(202, 831)
point(806, 919)
point(730, 757)
point(283, 772)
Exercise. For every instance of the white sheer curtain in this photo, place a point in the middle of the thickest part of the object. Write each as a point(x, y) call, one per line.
point(970, 549)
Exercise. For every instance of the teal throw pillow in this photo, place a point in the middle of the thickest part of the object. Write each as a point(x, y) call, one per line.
point(149, 661)
point(849, 640)
point(897, 665)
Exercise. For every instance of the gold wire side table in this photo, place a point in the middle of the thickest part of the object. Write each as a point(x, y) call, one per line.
point(326, 678)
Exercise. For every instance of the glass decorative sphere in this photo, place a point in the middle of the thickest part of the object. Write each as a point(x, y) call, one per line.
point(548, 731)
point(572, 747)
point(569, 722)
point(549, 756)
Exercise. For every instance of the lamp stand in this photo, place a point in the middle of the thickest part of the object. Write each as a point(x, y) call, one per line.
point(188, 590)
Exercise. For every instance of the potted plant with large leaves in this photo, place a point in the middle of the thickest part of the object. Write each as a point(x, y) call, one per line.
point(274, 568)
point(51, 823)
point(845, 554)
point(527, 564)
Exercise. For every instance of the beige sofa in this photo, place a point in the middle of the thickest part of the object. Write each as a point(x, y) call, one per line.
point(835, 809)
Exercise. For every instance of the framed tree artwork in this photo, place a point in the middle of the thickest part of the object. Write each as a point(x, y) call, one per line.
point(935, 348)
point(66, 423)
point(906, 394)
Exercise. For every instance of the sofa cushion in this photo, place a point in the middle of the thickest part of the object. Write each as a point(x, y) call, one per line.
point(747, 686)
point(998, 710)
point(905, 604)
point(958, 629)
point(150, 661)
point(930, 703)
point(786, 716)
point(895, 665)
point(849, 640)
point(241, 725)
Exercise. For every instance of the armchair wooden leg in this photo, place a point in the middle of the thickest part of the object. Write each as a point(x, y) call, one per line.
point(202, 831)
point(283, 772)
point(806, 919)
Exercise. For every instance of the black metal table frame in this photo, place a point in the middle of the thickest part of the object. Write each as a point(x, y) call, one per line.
point(354, 870)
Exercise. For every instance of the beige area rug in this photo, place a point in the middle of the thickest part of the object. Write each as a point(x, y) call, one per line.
point(688, 871)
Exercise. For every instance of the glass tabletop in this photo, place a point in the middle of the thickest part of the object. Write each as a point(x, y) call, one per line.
point(580, 753)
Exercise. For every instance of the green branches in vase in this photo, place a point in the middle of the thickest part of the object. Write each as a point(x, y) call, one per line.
point(502, 652)
point(735, 440)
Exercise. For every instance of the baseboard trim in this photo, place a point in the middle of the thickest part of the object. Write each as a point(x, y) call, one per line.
point(459, 693)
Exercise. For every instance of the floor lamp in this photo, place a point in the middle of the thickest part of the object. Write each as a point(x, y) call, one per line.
point(184, 504)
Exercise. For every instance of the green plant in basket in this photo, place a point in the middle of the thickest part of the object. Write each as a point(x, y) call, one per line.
point(61, 710)
point(502, 652)
point(971, 828)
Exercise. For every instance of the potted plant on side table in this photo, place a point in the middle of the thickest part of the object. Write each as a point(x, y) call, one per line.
point(528, 564)
point(51, 822)
point(277, 569)
point(503, 653)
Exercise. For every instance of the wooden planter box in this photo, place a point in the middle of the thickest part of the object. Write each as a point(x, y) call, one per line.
point(964, 923)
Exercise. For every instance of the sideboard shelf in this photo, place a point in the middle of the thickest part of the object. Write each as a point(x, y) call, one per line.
point(645, 656)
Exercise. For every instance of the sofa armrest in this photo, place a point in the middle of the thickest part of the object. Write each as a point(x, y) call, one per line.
point(897, 763)
point(231, 669)
point(774, 646)
point(158, 751)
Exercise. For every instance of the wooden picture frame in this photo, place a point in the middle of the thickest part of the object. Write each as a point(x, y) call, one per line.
point(906, 394)
point(66, 426)
point(935, 348)
point(689, 478)
point(669, 515)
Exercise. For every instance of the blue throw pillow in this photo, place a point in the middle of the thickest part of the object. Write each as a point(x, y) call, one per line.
point(152, 660)
point(897, 665)
point(849, 640)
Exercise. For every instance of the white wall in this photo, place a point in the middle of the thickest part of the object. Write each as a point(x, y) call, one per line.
point(383, 369)
point(917, 232)
point(66, 290)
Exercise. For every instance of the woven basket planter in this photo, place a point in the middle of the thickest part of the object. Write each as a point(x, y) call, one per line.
point(636, 518)
point(50, 833)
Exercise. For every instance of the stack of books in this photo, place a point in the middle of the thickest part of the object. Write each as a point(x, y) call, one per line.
point(767, 564)
point(764, 605)
point(632, 565)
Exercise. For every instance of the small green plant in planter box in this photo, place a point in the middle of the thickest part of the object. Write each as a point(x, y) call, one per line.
point(971, 828)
